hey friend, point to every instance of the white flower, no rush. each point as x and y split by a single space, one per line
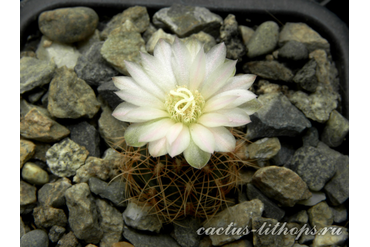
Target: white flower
181 99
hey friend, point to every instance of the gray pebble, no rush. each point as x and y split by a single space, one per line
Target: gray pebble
35 238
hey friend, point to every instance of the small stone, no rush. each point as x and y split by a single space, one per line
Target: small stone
47 217
330 239
93 68
340 213
230 35
270 70
263 40
111 129
26 107
137 15
185 232
314 199
287 150
293 50
40 151
336 129
239 243
33 174
320 215
68 25
52 194
301 32
114 192
123 45
115 161
301 217
265 87
93 167
86 135
313 167
141 217
65 157
122 244
35 73
306 77
71 97
61 54
311 137
85 45
277 117
337 189
68 240
306 239
266 240
204 38
326 72
271 210
281 184
27 194
27 54
316 106
246 33
155 37
36 95
265 148
27 150
110 222
240 215
107 91
83 216
38 126
140 238
35 238
149 32
186 20
55 233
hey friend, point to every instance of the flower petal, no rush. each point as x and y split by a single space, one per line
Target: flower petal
142 79
196 157
202 137
252 106
215 57
122 109
217 79
143 114
218 102
197 70
163 52
158 147
244 96
238 82
124 82
228 99
194 47
181 143
237 117
213 120
132 134
225 141
173 132
140 97
181 61
157 72
155 130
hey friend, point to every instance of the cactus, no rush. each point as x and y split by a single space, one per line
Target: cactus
175 189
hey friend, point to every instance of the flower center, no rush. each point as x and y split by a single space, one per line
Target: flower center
183 105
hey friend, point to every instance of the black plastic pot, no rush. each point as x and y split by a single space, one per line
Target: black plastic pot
256 11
